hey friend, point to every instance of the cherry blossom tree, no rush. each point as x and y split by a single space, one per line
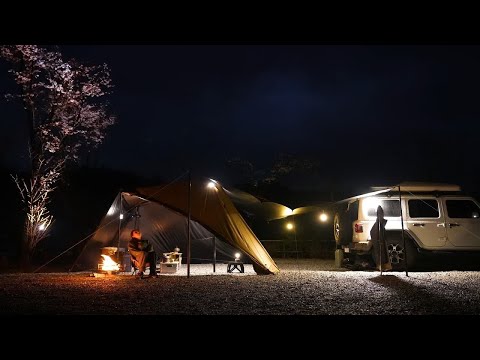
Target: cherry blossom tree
66 115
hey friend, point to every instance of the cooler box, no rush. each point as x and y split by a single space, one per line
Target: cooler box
169 267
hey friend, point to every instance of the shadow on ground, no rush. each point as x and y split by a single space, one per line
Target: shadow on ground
419 290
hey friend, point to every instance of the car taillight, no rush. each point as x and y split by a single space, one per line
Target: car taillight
358 228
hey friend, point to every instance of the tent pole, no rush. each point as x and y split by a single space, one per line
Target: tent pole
119 227
403 235
214 253
189 218
380 241
295 237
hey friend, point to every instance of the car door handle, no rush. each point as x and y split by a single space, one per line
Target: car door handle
418 224
453 225
441 225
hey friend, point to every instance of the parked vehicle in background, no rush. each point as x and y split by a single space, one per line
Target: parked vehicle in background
436 218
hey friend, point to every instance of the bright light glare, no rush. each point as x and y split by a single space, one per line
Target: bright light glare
41 227
323 217
287 212
211 185
370 203
289 226
121 216
237 256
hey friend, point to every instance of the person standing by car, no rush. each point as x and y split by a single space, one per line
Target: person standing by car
378 236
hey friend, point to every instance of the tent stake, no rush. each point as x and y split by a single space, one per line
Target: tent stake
189 217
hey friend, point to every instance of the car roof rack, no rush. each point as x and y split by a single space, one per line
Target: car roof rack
417 188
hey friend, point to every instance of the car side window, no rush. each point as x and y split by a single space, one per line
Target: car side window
462 209
423 208
391 208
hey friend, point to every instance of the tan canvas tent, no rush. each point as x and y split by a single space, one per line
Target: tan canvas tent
161 214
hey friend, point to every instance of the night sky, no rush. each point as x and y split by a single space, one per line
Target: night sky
372 115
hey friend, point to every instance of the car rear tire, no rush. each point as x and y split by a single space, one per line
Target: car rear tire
396 251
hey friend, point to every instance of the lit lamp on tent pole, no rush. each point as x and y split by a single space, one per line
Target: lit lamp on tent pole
212 186
291 227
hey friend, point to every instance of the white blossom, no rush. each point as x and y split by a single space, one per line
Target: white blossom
66 115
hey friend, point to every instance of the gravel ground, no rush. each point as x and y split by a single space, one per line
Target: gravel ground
304 287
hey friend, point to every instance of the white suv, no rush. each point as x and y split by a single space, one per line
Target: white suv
436 217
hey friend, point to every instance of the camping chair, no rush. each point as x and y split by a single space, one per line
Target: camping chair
135 265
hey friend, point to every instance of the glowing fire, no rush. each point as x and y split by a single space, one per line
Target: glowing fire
109 264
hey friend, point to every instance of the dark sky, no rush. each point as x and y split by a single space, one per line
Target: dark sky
372 115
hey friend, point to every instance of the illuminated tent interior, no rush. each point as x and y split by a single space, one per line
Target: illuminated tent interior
161 213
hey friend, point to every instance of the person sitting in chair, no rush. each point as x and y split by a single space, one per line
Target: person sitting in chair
142 253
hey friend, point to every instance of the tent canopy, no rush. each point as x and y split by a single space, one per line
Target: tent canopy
160 212
268 210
